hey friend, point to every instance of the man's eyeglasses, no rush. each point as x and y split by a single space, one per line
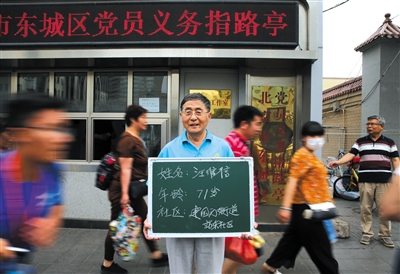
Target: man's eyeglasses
197 112
371 124
65 130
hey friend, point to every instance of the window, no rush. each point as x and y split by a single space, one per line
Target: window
73 92
105 136
150 90
77 149
5 90
96 103
152 140
33 83
110 92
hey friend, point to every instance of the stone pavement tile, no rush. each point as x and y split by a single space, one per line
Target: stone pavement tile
141 261
63 268
350 265
42 267
63 246
387 255
343 254
375 265
300 267
254 268
86 248
84 269
140 270
98 254
159 270
79 258
349 243
358 253
96 265
46 257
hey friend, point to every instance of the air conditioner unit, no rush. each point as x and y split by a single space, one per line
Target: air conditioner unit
336 105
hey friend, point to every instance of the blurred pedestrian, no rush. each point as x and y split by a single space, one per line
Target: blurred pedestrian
195 141
307 184
247 122
5 137
132 158
378 154
390 208
31 204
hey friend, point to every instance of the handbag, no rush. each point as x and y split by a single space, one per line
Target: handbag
320 212
240 250
138 188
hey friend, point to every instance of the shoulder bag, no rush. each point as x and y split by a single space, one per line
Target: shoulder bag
138 188
320 212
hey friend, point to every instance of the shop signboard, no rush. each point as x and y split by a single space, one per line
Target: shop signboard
202 23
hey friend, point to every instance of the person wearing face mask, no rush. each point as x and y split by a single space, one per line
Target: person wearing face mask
378 154
307 184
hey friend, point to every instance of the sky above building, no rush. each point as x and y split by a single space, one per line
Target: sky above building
347 26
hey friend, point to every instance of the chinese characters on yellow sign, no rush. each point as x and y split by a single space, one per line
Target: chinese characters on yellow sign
220 100
274 147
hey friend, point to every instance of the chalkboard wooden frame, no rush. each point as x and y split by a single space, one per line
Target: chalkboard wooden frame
201 197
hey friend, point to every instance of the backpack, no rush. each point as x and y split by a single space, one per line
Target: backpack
106 170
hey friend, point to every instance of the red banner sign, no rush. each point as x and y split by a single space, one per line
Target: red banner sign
205 23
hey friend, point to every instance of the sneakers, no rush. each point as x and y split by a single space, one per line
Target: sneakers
163 261
365 240
386 241
113 269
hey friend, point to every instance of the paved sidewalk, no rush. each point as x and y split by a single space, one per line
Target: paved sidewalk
80 251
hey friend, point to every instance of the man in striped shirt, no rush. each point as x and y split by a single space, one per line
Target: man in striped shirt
247 122
378 154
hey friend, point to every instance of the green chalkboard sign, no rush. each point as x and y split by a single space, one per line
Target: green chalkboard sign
201 197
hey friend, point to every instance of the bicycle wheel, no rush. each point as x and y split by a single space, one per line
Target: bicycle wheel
335 193
342 192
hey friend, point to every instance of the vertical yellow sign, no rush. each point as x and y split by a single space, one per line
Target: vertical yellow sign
274 147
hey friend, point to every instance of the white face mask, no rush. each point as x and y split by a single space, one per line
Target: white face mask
315 143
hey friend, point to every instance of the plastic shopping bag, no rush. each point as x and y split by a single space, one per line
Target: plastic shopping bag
125 234
240 250
330 230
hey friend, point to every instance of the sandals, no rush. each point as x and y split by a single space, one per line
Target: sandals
266 269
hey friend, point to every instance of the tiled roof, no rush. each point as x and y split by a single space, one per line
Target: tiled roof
350 86
387 29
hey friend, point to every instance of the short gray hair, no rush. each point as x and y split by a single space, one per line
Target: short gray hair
380 119
197 96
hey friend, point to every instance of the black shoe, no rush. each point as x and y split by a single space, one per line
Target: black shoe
163 261
113 269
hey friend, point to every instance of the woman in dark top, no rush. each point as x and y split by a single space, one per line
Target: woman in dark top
132 158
